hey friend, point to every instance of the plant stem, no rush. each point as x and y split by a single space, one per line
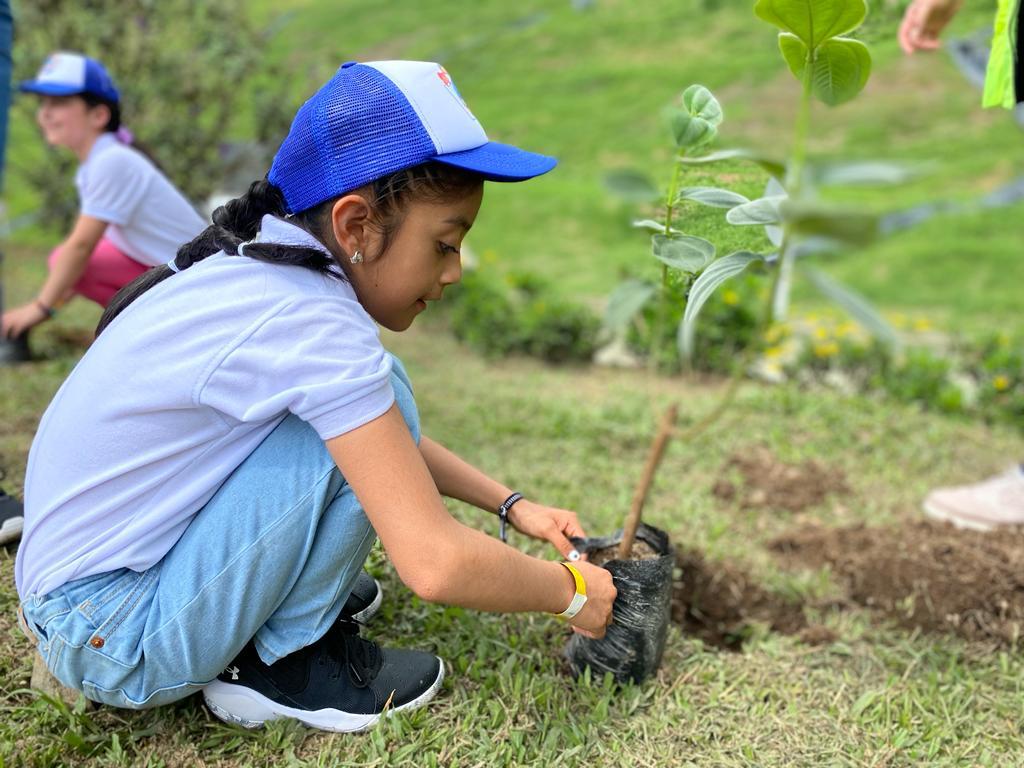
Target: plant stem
778 298
662 315
653 459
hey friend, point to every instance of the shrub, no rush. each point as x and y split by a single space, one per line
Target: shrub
520 316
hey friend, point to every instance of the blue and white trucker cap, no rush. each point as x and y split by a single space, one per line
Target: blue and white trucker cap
69 74
376 118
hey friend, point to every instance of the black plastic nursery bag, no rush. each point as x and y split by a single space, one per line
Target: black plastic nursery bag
632 648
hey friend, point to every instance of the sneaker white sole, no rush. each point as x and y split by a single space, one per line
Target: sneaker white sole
937 513
370 611
11 529
251 709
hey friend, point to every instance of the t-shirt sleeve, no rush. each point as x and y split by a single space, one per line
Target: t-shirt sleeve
318 357
114 185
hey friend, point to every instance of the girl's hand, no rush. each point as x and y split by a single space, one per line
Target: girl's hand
596 616
20 319
547 524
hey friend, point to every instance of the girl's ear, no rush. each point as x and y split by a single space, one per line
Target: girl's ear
99 116
350 218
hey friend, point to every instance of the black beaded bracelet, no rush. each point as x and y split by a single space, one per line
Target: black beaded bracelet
503 514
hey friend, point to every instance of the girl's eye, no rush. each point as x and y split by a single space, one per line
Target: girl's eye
446 248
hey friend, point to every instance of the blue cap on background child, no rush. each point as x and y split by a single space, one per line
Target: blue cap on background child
376 118
70 74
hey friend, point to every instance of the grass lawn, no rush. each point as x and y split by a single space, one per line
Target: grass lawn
577 438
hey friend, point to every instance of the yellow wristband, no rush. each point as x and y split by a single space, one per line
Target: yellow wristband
579 599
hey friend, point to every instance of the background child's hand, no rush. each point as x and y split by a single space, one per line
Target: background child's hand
20 319
547 524
923 22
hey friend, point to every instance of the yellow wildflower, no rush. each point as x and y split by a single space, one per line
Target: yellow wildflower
730 297
826 349
1001 383
845 329
820 333
773 352
922 324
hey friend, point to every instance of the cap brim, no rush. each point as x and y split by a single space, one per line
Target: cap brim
500 162
48 89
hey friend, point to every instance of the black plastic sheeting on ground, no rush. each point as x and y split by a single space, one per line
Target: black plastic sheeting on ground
635 642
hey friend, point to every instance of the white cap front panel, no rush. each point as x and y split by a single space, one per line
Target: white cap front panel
63 69
436 100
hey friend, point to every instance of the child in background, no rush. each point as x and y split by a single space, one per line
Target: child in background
201 525
131 219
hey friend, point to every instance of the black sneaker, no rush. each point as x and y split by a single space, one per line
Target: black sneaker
365 599
339 683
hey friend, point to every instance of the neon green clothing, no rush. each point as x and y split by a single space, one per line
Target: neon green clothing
1001 87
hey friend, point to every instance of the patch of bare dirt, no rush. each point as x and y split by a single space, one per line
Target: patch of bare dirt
766 482
924 574
719 602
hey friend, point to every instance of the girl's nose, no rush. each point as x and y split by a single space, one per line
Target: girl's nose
452 271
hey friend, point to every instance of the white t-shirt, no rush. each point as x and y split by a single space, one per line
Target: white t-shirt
177 391
148 218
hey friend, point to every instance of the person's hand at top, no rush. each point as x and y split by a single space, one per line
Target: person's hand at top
547 524
923 22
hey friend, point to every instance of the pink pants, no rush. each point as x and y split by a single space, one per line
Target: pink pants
108 270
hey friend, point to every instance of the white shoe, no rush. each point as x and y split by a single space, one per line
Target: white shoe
997 501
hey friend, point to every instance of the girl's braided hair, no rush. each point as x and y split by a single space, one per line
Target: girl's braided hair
238 221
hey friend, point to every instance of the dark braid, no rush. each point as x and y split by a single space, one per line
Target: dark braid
238 221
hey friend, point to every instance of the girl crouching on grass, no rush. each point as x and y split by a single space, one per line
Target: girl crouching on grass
202 524
131 217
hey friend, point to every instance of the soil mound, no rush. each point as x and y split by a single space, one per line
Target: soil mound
768 482
719 602
923 574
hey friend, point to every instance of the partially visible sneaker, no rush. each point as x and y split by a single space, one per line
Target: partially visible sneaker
364 600
12 519
992 503
341 682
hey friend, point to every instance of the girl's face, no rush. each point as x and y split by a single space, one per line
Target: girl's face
422 259
67 121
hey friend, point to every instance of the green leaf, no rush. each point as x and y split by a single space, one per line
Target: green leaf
841 66
764 210
813 21
694 121
654 226
841 70
794 52
839 224
703 287
700 102
632 186
626 301
869 172
775 167
683 252
856 305
713 196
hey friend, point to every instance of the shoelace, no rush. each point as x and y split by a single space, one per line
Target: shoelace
361 657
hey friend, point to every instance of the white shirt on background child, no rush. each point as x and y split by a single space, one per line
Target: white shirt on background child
149 219
174 395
